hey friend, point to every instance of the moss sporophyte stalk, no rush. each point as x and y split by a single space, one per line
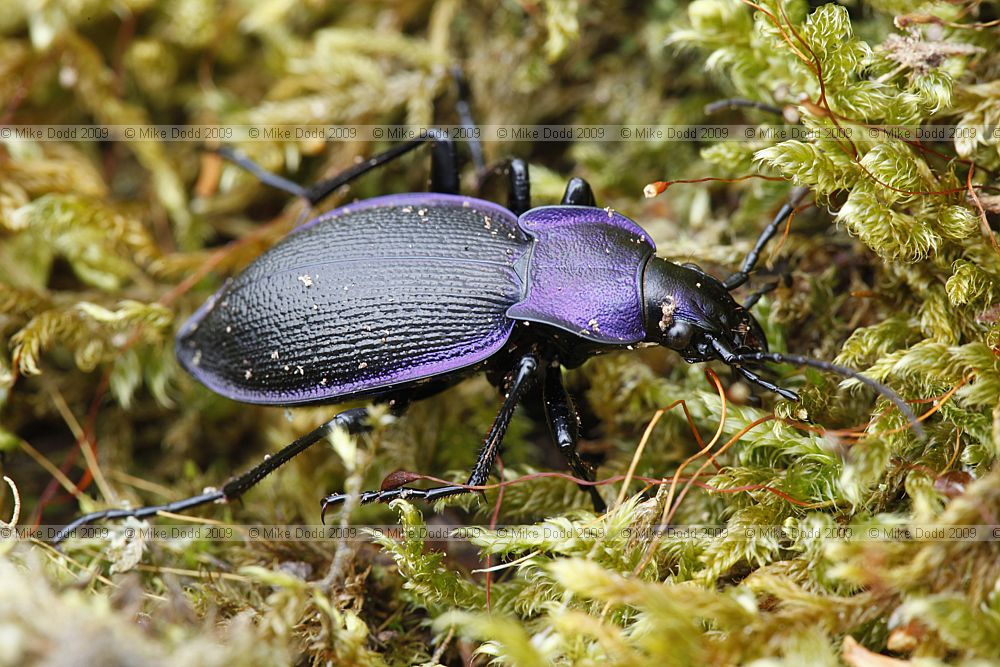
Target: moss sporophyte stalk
884 112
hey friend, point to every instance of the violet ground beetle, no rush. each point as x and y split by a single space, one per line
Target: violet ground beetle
398 297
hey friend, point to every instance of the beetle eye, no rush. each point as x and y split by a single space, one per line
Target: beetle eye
678 336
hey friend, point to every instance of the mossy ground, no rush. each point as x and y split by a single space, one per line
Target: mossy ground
892 272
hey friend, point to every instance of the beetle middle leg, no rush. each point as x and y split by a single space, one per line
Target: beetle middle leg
564 425
525 374
515 171
518 186
578 193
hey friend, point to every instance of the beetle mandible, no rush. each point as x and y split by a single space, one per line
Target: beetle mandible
398 297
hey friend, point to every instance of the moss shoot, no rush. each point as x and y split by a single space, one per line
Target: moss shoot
830 534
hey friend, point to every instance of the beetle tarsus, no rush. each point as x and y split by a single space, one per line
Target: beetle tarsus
137 513
388 495
765 384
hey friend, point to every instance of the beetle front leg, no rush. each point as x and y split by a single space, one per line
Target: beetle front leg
752 300
525 373
729 358
564 425
765 384
743 275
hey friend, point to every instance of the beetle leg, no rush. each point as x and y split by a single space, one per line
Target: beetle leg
354 420
525 373
444 158
755 297
515 170
444 161
770 386
263 175
564 425
464 110
578 193
734 361
743 275
444 166
518 186
318 191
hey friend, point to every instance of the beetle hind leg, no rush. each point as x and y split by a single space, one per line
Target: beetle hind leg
444 166
263 175
524 375
464 110
210 496
354 420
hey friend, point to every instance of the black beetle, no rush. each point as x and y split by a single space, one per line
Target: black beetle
398 297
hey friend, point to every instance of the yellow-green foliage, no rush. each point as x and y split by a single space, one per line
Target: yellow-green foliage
105 248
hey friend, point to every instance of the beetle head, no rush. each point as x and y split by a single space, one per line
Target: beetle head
691 312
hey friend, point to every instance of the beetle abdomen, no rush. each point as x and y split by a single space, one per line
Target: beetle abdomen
375 294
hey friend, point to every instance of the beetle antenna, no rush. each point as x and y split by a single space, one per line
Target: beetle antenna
779 358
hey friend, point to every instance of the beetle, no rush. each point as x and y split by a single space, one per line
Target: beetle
398 297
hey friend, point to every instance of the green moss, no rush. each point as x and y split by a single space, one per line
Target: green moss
893 273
